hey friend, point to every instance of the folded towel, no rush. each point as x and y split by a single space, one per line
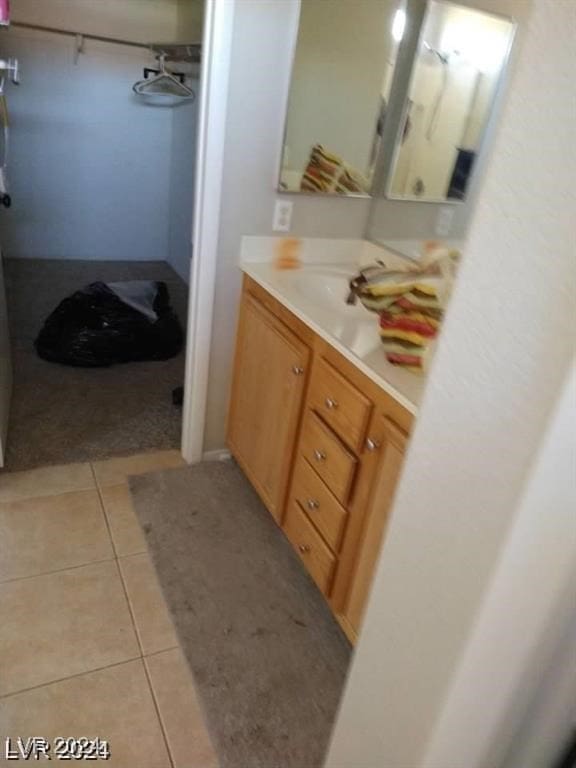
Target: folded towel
327 172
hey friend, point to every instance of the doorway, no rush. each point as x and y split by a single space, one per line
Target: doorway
102 188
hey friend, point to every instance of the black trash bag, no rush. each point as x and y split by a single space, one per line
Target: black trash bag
94 327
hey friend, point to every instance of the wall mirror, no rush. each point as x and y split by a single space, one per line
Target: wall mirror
458 66
343 67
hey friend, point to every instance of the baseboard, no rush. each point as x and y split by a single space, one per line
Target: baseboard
220 455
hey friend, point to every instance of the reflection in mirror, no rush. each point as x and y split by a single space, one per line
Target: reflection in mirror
461 56
342 71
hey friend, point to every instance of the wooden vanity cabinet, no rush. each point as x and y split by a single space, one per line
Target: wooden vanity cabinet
322 444
372 507
268 390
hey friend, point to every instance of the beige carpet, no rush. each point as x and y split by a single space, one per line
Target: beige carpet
61 414
268 658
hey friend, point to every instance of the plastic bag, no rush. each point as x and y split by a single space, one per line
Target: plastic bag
95 327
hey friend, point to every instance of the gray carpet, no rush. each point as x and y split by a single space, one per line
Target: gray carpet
268 658
61 414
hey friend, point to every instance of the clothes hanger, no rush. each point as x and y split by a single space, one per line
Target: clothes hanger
164 83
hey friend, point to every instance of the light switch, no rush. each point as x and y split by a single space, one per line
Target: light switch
282 216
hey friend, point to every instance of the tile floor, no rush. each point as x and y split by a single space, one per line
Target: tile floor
87 647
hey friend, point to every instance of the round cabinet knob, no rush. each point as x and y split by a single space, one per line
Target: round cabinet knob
372 445
330 404
319 455
312 504
304 548
297 370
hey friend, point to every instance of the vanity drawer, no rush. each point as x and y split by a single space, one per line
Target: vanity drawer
318 503
340 404
329 458
314 553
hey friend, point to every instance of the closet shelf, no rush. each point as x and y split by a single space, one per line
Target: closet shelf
183 52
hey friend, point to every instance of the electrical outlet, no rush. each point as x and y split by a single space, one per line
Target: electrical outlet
444 221
282 216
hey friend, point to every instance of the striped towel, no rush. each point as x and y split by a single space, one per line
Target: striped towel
326 172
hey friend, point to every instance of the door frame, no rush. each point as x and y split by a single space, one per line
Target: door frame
216 53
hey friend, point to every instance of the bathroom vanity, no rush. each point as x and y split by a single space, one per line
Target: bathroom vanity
317 426
319 420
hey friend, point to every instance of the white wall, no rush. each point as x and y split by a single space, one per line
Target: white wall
262 44
89 163
551 714
142 20
341 58
524 630
505 352
190 20
95 172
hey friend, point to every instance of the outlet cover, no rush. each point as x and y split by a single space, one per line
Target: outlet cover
444 221
282 216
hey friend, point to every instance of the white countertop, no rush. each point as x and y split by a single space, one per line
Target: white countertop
353 331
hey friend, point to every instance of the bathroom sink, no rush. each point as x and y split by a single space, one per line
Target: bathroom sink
329 288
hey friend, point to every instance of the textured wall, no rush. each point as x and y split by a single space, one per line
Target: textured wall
505 350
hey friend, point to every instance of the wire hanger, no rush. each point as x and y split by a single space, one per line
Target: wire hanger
163 83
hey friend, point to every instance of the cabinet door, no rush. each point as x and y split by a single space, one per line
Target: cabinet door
391 450
267 394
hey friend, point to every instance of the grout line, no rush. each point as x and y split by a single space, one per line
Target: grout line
35 496
115 559
130 609
158 715
69 677
121 577
134 554
5 502
103 508
135 625
137 473
164 650
58 570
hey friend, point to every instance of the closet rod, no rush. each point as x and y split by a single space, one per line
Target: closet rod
100 38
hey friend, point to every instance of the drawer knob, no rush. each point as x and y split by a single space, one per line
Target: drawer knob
304 548
319 455
297 370
330 404
372 445
312 504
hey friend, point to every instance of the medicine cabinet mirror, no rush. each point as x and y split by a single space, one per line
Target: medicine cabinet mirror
458 66
344 75
342 71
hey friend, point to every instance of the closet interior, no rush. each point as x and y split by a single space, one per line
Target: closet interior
100 172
